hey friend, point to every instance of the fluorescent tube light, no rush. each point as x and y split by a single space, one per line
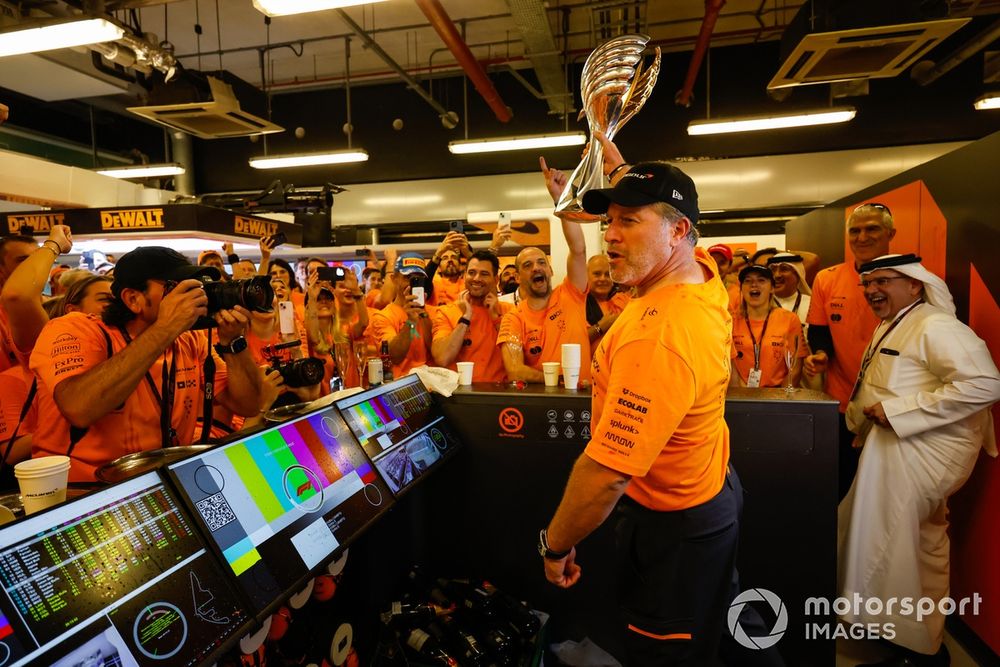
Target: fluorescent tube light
772 122
517 143
58 36
288 7
309 159
988 101
143 171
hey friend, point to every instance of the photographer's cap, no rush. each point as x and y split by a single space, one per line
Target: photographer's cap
647 183
411 262
156 263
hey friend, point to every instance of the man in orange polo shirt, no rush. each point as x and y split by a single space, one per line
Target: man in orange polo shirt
841 322
405 323
134 381
658 458
467 330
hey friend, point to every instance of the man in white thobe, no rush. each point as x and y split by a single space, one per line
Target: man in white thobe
920 410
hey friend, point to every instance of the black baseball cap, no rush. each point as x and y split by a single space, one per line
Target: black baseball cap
762 271
157 263
647 183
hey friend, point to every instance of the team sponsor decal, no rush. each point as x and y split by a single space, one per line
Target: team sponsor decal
132 218
40 222
254 226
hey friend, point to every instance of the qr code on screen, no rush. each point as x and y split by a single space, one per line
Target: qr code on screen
216 511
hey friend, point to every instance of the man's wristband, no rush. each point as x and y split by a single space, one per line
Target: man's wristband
545 551
233 258
57 250
465 320
614 171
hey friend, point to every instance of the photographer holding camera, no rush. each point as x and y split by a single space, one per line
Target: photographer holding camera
136 380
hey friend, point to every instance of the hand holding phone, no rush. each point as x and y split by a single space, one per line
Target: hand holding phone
417 288
286 317
503 222
331 274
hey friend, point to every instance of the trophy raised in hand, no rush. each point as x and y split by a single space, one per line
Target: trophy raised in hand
613 88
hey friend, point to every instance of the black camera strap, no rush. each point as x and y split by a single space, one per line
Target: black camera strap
206 410
168 380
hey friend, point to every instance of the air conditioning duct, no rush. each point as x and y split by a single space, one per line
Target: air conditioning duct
838 40
206 106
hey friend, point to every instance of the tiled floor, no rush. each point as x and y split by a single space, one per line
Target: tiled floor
851 653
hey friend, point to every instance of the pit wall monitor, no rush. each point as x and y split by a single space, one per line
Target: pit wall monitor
117 577
279 503
401 429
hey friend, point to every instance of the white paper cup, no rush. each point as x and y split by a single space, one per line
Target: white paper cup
571 355
375 371
551 371
42 481
465 372
571 377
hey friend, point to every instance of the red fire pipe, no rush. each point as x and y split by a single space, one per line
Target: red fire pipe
441 22
712 10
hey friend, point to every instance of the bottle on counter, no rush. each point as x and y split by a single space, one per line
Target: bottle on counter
409 614
463 642
428 647
386 362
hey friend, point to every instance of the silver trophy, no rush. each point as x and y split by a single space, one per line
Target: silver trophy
613 87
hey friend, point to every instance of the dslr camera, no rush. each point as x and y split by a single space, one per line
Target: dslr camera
297 372
255 294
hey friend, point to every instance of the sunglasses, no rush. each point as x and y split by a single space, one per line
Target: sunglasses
874 204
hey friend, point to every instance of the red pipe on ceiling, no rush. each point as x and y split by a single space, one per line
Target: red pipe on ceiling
445 27
712 10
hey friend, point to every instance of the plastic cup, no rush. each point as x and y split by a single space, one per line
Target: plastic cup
571 355
42 481
551 371
375 371
465 372
571 377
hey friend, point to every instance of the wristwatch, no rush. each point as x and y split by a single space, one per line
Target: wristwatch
544 550
235 346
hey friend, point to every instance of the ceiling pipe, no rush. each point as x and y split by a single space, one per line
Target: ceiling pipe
449 119
926 72
712 10
444 26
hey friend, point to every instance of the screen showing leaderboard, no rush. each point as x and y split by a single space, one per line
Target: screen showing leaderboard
401 429
279 503
117 577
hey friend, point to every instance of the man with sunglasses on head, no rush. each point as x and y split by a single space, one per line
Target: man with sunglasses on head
920 408
841 323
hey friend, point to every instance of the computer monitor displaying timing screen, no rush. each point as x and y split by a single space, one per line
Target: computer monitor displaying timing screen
116 577
277 504
401 428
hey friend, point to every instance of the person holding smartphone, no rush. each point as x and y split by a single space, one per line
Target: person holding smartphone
336 315
405 324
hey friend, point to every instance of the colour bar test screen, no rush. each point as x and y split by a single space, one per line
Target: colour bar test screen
401 429
280 502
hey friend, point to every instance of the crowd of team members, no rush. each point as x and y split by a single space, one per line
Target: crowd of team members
507 320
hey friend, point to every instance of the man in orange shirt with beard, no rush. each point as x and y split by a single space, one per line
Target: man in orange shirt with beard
467 329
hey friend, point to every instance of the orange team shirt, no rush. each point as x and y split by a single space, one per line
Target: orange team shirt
371 297
839 302
480 344
14 385
615 304
660 380
258 345
541 333
385 325
71 345
735 297
10 356
784 332
446 291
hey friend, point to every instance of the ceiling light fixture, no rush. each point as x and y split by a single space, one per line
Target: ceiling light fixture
517 143
288 7
988 101
59 35
772 122
143 171
309 159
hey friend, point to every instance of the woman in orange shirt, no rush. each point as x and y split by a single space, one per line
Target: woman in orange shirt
768 345
336 320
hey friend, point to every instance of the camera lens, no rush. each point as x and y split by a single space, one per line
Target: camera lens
302 372
254 294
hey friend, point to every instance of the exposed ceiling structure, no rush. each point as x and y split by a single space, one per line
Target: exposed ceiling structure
495 67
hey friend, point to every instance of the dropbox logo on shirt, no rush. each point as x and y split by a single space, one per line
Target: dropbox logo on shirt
780 615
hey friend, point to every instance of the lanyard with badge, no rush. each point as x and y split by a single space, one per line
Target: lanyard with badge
873 348
753 377
168 380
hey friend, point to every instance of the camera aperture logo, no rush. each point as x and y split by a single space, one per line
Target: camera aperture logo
780 615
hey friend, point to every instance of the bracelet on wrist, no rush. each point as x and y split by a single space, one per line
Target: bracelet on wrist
57 249
614 171
465 320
